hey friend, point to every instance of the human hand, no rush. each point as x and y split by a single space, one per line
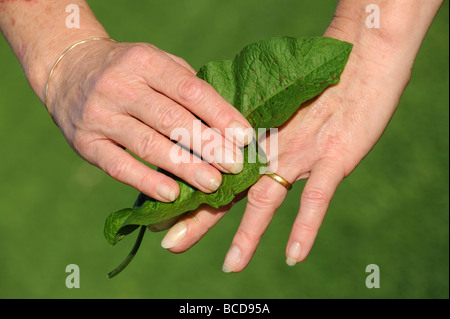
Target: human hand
109 96
323 142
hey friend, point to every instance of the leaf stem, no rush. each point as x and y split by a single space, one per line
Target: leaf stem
131 255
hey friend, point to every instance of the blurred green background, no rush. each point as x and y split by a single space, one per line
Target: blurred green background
392 211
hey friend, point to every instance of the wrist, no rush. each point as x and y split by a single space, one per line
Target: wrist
388 50
37 67
72 75
39 33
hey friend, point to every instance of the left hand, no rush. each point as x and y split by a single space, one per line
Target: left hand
323 142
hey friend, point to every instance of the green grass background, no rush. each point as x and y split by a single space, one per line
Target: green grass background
392 211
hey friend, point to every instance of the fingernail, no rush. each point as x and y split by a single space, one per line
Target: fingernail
293 254
166 192
174 235
242 133
231 259
207 180
226 159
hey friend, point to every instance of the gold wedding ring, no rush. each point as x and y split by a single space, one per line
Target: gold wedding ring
280 180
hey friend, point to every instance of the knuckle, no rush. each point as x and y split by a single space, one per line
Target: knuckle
138 53
146 146
315 196
190 89
260 198
117 167
143 184
247 238
305 228
170 118
221 115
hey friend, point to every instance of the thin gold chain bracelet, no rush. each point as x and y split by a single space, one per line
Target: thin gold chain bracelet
63 55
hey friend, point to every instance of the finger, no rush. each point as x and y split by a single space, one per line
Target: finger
181 62
317 194
123 167
156 149
182 86
264 198
177 123
194 225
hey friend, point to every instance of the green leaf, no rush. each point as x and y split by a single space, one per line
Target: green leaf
269 79
267 82
151 211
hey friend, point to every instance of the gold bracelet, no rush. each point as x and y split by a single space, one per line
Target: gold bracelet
62 56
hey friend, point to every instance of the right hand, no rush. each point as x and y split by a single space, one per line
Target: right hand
107 97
